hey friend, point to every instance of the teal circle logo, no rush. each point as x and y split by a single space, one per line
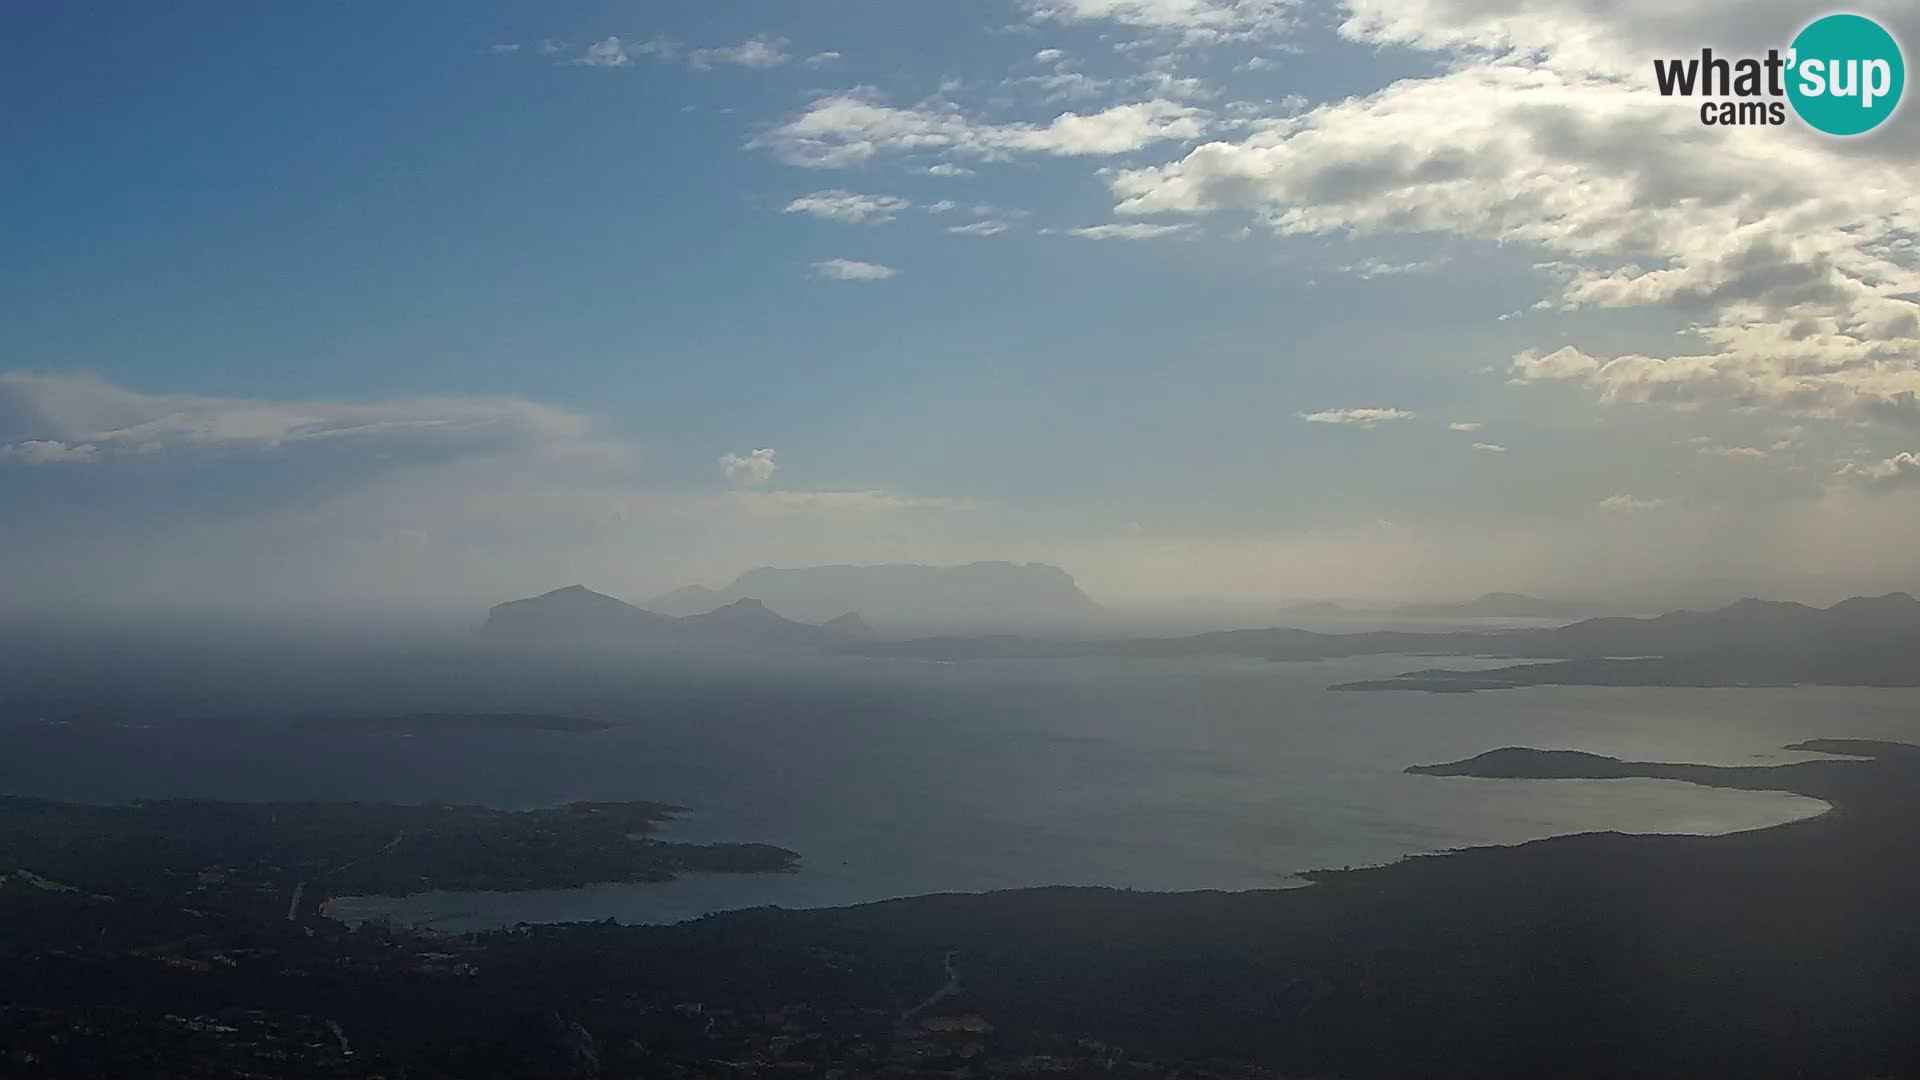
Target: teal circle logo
1846 74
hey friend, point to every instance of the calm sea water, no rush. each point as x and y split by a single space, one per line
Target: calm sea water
895 779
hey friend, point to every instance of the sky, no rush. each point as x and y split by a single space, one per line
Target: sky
377 307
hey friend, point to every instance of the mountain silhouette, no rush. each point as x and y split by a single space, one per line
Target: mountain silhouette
1501 605
850 625
975 596
574 612
578 614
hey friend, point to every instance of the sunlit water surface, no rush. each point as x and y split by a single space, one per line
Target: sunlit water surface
896 779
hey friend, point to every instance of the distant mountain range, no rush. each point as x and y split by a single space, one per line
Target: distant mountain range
576 614
1860 641
975 596
1502 605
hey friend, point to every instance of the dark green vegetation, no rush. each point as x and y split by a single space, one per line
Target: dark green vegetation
1790 951
443 723
170 848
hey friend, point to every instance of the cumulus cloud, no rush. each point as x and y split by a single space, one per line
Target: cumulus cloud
1127 230
755 52
1901 472
1365 417
1465 425
1368 269
1530 365
1733 453
1629 504
1544 130
847 129
989 227
752 470
49 452
849 207
946 168
608 52
822 59
1491 448
852 270
1196 21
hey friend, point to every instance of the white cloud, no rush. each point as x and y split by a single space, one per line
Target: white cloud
755 52
822 59
1366 417
50 452
1465 425
441 504
948 169
1368 269
849 128
1491 448
1629 504
853 270
753 470
506 49
1128 230
85 411
1897 473
849 207
1561 364
979 228
1197 21
1049 56
1733 453
1545 131
608 52
1065 84
844 502
944 206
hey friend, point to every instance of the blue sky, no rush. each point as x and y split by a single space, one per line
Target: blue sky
1196 297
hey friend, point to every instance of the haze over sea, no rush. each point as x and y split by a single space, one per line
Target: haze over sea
902 778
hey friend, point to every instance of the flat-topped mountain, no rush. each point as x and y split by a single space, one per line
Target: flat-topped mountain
975 596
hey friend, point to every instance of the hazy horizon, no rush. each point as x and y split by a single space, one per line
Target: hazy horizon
1210 303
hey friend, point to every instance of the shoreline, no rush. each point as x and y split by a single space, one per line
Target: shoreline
383 909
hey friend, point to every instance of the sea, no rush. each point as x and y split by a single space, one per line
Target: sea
900 778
